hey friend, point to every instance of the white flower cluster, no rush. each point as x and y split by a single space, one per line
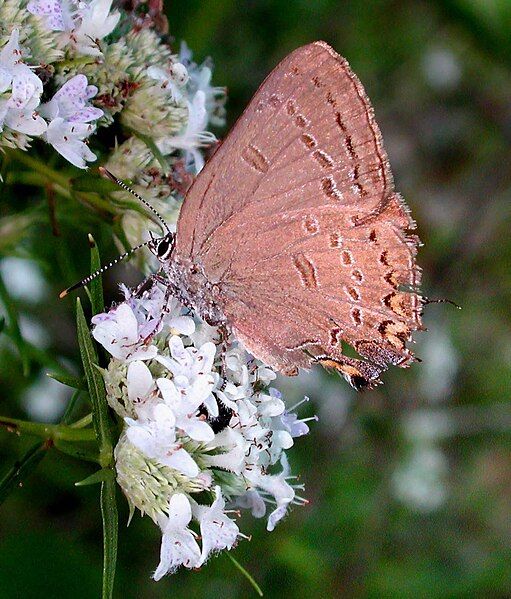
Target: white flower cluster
97 64
202 427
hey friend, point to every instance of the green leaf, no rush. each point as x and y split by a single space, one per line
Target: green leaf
100 420
247 575
110 535
86 451
2 323
71 404
13 327
100 476
149 142
88 183
96 285
68 379
16 475
96 386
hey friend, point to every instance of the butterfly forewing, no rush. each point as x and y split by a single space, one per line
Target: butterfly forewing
295 221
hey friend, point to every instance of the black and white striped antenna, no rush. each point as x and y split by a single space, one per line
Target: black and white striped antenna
166 234
106 173
101 270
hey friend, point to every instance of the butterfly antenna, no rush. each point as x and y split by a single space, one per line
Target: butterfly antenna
106 173
101 270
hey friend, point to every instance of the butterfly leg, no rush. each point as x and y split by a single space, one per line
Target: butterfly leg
224 337
149 281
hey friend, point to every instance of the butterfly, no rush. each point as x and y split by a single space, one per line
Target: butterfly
293 237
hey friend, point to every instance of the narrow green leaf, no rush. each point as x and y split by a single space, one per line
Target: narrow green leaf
16 475
71 404
86 451
96 285
110 535
2 323
93 183
69 380
96 386
100 476
13 327
247 575
149 142
100 420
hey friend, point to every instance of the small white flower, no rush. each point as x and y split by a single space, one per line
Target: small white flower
253 501
140 382
191 368
277 486
118 332
173 80
154 433
85 23
184 400
218 531
270 404
58 14
25 120
194 137
15 74
152 315
18 111
200 80
178 546
95 23
68 139
70 114
234 448
71 102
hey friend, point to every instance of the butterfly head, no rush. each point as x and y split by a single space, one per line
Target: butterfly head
162 247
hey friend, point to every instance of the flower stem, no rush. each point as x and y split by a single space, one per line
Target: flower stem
86 420
53 432
247 575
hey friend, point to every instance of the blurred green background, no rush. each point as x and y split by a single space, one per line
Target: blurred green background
410 484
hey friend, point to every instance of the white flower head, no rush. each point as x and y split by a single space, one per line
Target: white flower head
178 546
199 415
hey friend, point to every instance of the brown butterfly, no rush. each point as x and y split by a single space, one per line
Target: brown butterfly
293 237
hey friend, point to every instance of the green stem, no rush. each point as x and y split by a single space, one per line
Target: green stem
246 574
52 432
85 421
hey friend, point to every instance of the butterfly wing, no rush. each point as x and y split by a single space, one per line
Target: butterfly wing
296 222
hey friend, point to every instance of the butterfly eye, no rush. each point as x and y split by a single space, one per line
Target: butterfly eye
163 249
